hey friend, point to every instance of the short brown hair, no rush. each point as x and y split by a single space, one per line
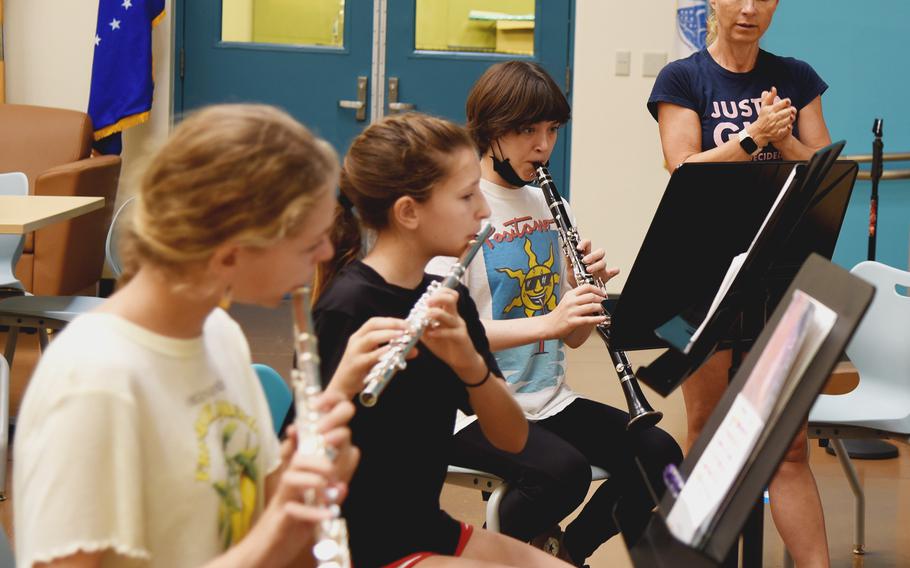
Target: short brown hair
510 95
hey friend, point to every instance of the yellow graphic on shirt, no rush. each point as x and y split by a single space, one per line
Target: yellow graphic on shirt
536 285
235 438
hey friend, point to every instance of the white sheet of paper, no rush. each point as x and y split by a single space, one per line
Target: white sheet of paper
715 471
789 351
729 277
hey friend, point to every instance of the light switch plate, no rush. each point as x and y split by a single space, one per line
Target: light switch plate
623 63
652 63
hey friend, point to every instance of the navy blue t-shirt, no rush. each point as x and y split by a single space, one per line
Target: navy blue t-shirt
726 101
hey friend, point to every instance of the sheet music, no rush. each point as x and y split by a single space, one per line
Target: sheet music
737 263
769 387
729 277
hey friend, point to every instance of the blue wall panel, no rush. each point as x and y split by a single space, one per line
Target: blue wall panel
861 50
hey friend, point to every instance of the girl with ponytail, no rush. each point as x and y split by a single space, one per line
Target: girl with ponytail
411 182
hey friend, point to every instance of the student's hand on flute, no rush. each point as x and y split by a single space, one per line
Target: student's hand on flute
363 350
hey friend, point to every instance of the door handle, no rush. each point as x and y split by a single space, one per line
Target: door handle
394 105
398 107
360 105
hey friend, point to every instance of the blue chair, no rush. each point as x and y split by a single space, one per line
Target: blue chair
277 393
11 245
54 312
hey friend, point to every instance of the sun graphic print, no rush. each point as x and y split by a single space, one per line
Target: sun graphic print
537 285
523 270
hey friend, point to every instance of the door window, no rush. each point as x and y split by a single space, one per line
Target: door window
490 26
287 22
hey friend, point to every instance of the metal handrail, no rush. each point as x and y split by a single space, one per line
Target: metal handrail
889 157
886 174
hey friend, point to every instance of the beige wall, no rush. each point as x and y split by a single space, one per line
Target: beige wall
617 164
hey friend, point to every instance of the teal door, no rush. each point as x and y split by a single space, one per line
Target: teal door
312 59
320 59
436 50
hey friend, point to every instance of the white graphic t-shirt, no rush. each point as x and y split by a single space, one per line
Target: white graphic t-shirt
152 447
520 273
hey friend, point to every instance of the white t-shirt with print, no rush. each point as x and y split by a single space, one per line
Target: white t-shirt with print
519 273
153 447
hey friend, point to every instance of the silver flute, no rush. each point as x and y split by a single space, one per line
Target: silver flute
393 360
641 415
331 547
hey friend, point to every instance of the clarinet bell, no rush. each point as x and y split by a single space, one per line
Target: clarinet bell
641 415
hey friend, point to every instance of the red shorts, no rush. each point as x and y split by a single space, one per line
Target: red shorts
414 559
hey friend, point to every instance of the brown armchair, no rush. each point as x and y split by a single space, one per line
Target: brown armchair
53 147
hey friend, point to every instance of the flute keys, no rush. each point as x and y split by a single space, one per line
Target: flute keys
326 550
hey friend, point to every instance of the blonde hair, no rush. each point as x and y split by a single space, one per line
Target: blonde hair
244 173
712 26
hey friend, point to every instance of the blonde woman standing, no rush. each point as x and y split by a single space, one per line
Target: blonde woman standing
731 102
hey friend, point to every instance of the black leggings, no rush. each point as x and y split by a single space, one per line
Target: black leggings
552 475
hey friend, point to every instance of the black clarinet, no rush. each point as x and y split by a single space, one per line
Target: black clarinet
641 415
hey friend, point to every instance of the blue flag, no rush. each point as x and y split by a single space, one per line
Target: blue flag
122 82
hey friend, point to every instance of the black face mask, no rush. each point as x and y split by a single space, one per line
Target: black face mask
507 172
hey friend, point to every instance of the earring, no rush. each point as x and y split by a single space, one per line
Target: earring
226 298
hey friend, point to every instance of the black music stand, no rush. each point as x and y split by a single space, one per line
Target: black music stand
848 297
709 214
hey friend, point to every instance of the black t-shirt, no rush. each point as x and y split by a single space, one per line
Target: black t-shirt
726 102
392 509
